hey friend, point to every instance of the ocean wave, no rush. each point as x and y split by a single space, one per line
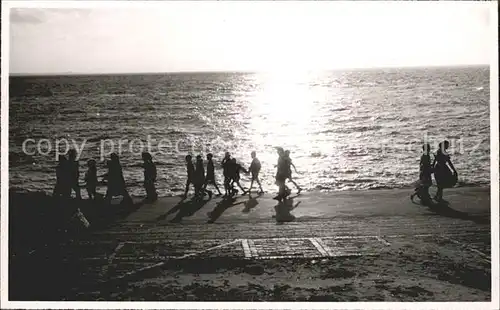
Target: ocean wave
354 181
164 164
99 138
225 100
382 187
355 153
338 109
140 109
117 95
359 129
176 132
32 93
466 183
65 93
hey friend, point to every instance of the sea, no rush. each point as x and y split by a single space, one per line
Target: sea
345 129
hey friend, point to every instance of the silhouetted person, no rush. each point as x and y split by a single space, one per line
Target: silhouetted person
190 174
91 179
62 188
74 173
235 170
199 179
425 178
281 175
254 169
226 167
149 177
289 164
445 178
210 177
116 181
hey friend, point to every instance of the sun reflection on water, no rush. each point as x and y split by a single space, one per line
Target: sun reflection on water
284 109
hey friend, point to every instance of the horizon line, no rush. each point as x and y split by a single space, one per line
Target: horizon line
71 73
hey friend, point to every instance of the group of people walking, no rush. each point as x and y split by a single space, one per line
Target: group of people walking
440 167
67 172
232 175
68 175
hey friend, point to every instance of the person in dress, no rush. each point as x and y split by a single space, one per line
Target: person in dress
199 180
444 172
210 177
116 181
425 177
150 175
62 187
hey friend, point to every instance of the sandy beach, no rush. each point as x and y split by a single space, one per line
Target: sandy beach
338 246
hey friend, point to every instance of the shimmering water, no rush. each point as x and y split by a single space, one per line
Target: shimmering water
345 129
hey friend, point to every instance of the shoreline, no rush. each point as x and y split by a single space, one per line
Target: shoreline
21 191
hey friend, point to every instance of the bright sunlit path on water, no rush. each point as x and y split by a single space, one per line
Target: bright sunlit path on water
283 107
286 110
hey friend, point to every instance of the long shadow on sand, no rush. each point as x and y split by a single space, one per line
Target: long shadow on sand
174 209
251 203
184 208
444 209
222 206
283 210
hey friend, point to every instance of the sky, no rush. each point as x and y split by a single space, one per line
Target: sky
248 36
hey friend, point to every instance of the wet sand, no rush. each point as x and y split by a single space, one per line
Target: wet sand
340 246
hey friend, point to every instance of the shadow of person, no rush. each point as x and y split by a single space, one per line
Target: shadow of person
283 210
220 207
183 202
188 208
426 202
250 204
128 208
293 197
443 209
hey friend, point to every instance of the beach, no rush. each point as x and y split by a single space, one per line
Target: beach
369 245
